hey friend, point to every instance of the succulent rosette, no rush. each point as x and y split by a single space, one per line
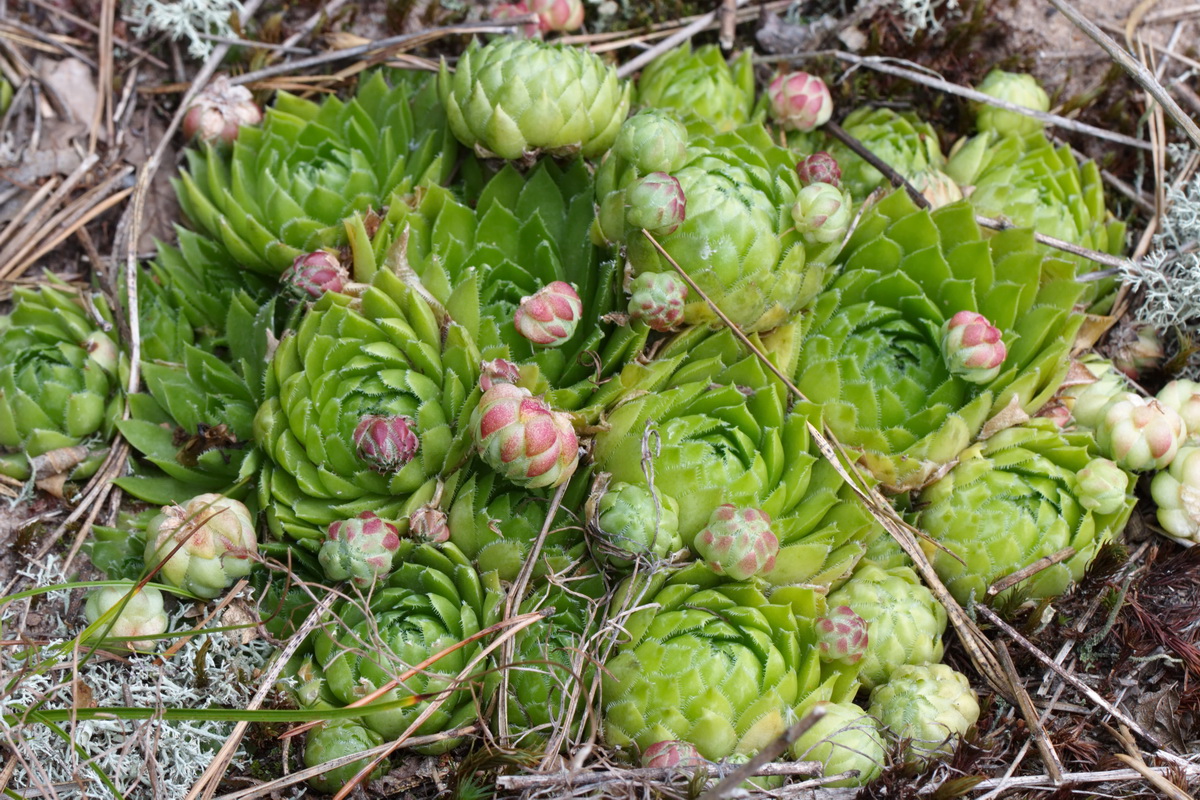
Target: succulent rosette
904 142
632 521
1010 501
723 435
872 358
218 539
517 98
1137 350
738 240
1097 383
433 601
350 362
658 299
335 739
511 237
1176 491
820 167
672 754
1103 486
738 542
125 615
700 83
717 666
284 188
313 274
904 621
844 739
1017 88
927 706
842 635
360 549
1183 397
60 378
1139 433
220 111
549 316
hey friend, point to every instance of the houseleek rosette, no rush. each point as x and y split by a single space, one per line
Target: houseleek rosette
872 358
737 239
285 187
385 353
700 83
510 237
517 98
904 142
59 378
1011 500
434 601
718 666
721 433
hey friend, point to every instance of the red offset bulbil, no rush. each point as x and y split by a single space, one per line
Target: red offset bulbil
738 542
386 443
549 316
523 439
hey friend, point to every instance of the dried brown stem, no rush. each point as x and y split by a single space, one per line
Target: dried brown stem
638 774
1013 578
1032 720
769 753
679 37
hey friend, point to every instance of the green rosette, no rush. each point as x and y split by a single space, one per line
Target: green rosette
284 188
700 84
871 359
510 236
1010 501
904 142
383 352
517 98
60 377
716 665
434 601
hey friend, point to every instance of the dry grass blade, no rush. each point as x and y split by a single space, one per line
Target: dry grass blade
977 645
774 750
1143 76
1011 580
639 774
1032 720
681 36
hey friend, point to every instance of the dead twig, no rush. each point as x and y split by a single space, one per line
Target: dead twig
677 38
769 753
1032 720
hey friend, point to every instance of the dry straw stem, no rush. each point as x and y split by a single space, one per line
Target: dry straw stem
979 649
640 775
680 36
1032 720
731 783
1143 76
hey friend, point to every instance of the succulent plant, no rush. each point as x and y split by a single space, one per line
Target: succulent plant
382 360
799 101
657 299
1140 434
558 15
334 739
360 549
1017 88
220 111
844 739
523 439
1137 350
972 347
432 602
738 241
718 667
1183 397
656 204
516 98
928 707
652 141
820 167
822 213
1176 491
872 356
633 521
1010 501
671 754
938 188
842 635
738 542
129 615
904 622
59 378
904 142
1088 398
700 83
1103 486
313 274
218 539
285 189
549 316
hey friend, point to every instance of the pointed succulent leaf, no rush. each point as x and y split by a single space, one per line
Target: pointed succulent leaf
700 83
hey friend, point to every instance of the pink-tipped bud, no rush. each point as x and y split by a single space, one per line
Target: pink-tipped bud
656 203
313 274
1139 434
738 542
1057 413
822 213
506 12
386 443
523 439
219 112
549 317
657 299
429 524
359 549
1137 351
799 101
672 753
498 370
972 347
558 15
820 167
842 635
